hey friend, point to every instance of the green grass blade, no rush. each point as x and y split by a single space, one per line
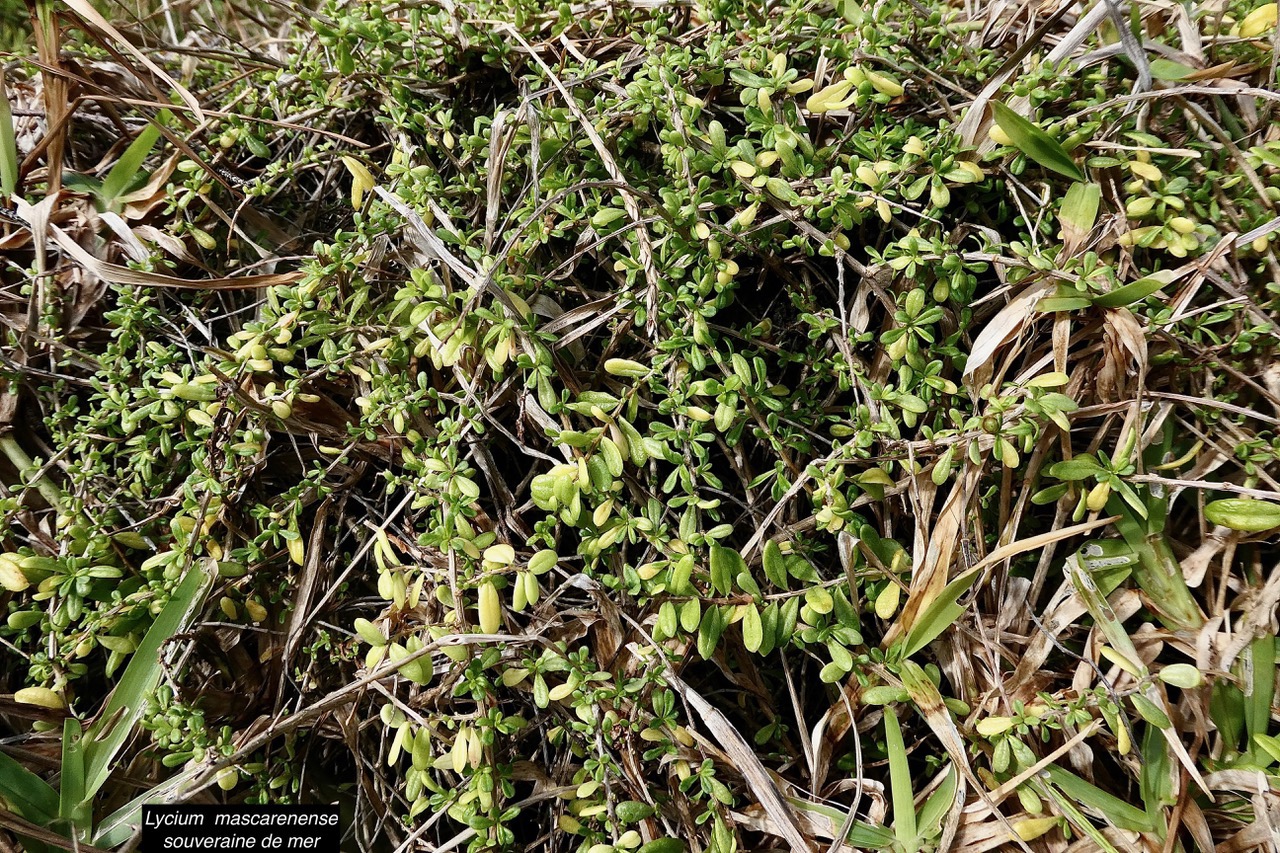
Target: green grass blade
1080 207
1077 818
1134 291
1104 617
1259 691
117 827
1113 809
1226 709
71 781
42 481
129 164
113 726
8 144
33 797
939 615
1155 782
935 808
904 806
1035 143
869 837
861 834
1079 214
1157 572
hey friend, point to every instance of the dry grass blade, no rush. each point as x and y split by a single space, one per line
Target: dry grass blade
928 699
977 121
125 276
761 784
49 47
643 240
931 576
27 829
1031 543
1008 323
86 12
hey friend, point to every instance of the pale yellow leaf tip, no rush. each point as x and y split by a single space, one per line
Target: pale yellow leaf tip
40 696
1259 21
361 180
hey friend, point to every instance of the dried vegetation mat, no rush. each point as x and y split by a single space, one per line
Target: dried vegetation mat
642 426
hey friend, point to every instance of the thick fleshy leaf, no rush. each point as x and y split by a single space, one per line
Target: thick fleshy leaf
1250 516
752 629
726 564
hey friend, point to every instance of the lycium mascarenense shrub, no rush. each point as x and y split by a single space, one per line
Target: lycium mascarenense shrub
682 356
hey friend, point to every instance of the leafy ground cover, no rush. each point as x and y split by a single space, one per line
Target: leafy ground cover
608 427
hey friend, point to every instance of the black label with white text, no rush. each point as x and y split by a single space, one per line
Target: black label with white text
302 829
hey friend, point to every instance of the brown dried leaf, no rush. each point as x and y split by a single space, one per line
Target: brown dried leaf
1009 322
930 575
91 16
